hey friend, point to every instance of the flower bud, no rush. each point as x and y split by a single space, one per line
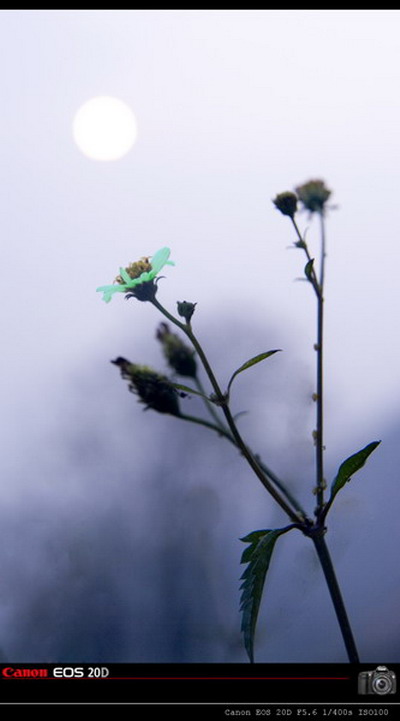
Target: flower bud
186 309
179 356
153 389
286 203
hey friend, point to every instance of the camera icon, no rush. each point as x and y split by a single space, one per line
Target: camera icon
381 681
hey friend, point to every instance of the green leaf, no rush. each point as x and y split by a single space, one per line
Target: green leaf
308 270
237 415
186 389
251 362
350 466
258 556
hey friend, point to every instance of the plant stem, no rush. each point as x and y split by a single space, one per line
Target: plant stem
315 529
253 463
221 427
319 347
317 535
221 430
303 244
337 599
207 424
319 440
209 404
320 376
323 250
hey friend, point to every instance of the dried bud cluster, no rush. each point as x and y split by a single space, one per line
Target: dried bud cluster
153 389
179 356
313 195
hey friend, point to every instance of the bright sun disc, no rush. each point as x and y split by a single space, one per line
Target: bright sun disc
104 128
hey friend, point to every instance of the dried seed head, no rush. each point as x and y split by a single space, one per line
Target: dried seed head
153 389
286 203
313 195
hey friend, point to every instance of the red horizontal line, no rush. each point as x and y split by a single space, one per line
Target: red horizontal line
230 678
180 678
236 678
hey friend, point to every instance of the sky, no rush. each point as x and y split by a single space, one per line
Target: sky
232 107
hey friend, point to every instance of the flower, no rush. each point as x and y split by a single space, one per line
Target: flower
138 277
153 389
286 203
313 195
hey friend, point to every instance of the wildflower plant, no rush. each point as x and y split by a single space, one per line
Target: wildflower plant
169 395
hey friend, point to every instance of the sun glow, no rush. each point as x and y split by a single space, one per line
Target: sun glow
104 128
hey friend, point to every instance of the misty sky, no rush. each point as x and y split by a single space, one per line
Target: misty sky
232 107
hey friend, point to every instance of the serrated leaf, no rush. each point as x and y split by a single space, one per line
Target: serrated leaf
258 556
186 389
257 359
308 270
350 466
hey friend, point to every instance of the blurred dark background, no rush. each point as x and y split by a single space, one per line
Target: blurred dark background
122 528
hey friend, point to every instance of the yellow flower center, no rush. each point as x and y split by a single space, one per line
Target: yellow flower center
135 270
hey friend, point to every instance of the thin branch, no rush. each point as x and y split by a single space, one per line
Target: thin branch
220 398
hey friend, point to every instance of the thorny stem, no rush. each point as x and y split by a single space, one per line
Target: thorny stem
321 511
320 400
320 377
319 347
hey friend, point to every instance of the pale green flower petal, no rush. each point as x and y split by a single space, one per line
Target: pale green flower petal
125 275
109 290
144 277
103 287
159 260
